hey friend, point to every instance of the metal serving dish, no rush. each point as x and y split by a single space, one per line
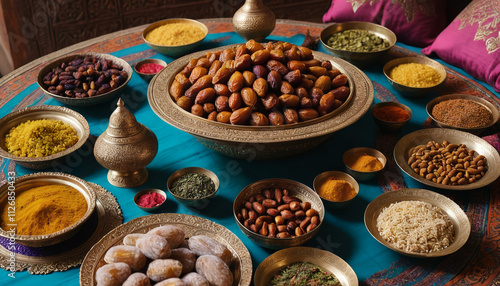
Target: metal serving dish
86 101
457 216
26 182
260 142
199 170
402 152
64 114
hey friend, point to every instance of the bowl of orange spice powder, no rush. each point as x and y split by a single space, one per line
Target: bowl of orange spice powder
391 116
337 189
43 209
364 163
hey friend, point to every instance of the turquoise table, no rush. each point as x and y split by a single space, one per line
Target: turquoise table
343 231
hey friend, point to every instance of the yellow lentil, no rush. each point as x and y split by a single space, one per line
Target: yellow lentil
40 138
415 75
175 34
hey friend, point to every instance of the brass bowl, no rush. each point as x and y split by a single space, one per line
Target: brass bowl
390 126
86 101
321 178
260 142
360 59
350 154
455 213
322 258
148 76
26 182
295 188
174 51
66 115
145 191
189 201
409 91
476 131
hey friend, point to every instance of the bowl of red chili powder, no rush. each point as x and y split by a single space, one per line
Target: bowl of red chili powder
391 116
150 199
148 68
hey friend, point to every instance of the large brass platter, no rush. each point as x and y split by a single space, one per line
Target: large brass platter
192 225
455 213
260 142
322 258
402 152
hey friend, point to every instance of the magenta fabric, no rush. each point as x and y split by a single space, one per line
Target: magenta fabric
418 25
472 42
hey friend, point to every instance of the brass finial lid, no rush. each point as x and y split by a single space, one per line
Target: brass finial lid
122 123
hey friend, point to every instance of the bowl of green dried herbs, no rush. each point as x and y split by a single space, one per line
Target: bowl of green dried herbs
193 186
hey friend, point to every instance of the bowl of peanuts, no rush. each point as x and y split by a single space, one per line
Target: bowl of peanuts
278 213
260 101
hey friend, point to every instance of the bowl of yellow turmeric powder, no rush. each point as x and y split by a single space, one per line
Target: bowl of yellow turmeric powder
337 189
44 208
363 163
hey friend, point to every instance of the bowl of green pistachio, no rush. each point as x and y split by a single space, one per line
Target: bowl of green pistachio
193 186
360 43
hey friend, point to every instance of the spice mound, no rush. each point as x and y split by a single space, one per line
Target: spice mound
365 163
391 114
337 190
150 200
415 75
175 34
46 209
462 113
303 273
356 40
149 68
40 138
193 186
416 226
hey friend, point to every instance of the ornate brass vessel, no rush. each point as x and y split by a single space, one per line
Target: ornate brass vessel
254 20
125 148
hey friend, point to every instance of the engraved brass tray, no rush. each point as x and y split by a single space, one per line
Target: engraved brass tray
261 142
455 213
192 225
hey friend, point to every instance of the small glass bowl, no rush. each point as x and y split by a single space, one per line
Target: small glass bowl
349 156
145 191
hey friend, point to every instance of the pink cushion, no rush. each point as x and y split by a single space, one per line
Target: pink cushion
416 24
472 42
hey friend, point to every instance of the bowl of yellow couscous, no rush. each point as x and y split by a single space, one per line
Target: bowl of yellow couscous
414 76
175 37
40 137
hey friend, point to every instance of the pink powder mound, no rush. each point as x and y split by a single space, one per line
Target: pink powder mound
150 200
149 68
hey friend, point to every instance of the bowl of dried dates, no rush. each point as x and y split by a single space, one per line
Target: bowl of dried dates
84 79
260 101
277 213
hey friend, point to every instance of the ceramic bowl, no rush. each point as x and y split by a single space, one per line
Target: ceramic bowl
66 115
26 182
174 51
198 202
409 91
148 76
358 58
390 126
325 176
145 191
85 101
295 188
351 154
495 115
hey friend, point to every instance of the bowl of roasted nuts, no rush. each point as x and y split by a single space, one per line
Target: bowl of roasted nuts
277 213
84 79
361 43
260 101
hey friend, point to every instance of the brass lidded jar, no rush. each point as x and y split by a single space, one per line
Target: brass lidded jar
125 148
254 20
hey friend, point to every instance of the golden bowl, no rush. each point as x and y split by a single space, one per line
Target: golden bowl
198 202
390 126
360 59
85 101
145 191
351 154
295 188
174 51
409 91
66 115
260 142
321 178
476 131
26 182
148 76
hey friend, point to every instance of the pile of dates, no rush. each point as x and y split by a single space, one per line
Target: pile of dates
260 84
164 257
277 213
84 77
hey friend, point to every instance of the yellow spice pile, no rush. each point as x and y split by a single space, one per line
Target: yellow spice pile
415 75
175 34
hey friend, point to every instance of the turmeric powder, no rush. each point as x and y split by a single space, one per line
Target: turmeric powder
46 209
337 190
366 163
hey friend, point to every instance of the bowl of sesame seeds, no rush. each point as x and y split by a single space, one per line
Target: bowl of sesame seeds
463 112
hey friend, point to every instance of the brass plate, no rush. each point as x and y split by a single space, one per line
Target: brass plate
192 225
402 152
109 217
324 259
454 212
